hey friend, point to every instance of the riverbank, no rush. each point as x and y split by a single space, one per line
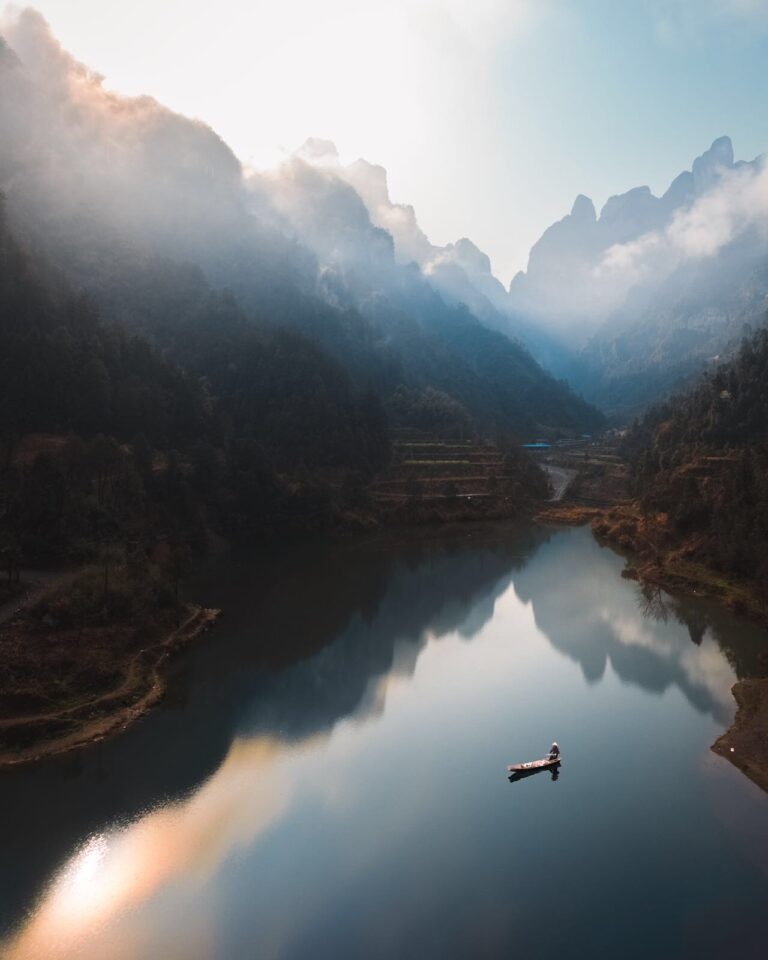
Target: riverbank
63 689
655 559
745 744
657 554
82 653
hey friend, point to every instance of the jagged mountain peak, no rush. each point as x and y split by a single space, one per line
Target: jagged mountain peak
583 209
721 151
619 202
584 268
708 168
471 256
680 192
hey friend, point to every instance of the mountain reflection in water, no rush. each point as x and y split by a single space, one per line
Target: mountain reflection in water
650 638
361 792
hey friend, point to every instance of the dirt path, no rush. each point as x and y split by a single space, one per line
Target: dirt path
560 478
142 687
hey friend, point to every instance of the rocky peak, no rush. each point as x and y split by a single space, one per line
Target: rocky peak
583 209
370 181
471 257
680 192
708 168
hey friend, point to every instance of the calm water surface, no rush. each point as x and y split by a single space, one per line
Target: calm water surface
327 776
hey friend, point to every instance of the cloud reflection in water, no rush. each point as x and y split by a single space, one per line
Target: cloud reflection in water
367 779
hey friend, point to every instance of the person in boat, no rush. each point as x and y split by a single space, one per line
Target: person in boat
554 751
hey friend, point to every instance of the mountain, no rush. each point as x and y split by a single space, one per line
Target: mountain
568 285
426 340
460 272
625 305
654 288
152 215
106 439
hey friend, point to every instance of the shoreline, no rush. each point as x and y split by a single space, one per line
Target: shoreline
105 711
670 567
141 689
745 742
618 524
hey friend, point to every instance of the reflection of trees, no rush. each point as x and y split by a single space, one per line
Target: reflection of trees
303 633
594 617
431 589
697 625
740 641
652 603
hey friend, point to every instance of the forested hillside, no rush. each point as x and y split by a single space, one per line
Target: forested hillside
152 214
189 417
702 458
108 440
189 349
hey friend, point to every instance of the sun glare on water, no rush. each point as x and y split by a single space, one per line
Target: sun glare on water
78 890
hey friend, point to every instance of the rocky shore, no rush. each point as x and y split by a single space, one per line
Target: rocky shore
746 743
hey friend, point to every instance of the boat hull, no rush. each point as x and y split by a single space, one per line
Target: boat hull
544 764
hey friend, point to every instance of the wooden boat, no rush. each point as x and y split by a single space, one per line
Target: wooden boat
543 764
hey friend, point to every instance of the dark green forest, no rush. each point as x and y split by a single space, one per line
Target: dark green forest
179 416
402 333
107 438
702 458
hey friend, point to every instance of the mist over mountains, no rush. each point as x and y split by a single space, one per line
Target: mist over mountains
624 305
654 288
152 214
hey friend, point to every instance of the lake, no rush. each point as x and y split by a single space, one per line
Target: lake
327 775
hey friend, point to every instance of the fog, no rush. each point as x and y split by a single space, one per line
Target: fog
92 177
108 186
733 206
591 273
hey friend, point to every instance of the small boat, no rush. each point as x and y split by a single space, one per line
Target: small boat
533 765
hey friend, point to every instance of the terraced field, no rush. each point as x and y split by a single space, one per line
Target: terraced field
464 477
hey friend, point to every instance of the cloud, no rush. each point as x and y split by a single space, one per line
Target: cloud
459 271
737 204
70 150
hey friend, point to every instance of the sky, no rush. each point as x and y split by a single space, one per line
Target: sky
490 116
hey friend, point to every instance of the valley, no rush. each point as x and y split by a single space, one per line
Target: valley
383 398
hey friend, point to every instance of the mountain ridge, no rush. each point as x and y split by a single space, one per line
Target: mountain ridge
107 187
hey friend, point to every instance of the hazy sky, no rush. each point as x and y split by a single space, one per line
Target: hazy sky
489 115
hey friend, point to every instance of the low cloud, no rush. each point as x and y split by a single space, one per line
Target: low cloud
736 205
76 157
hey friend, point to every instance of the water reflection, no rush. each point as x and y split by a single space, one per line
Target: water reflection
344 618
439 592
573 591
554 774
355 807
89 907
